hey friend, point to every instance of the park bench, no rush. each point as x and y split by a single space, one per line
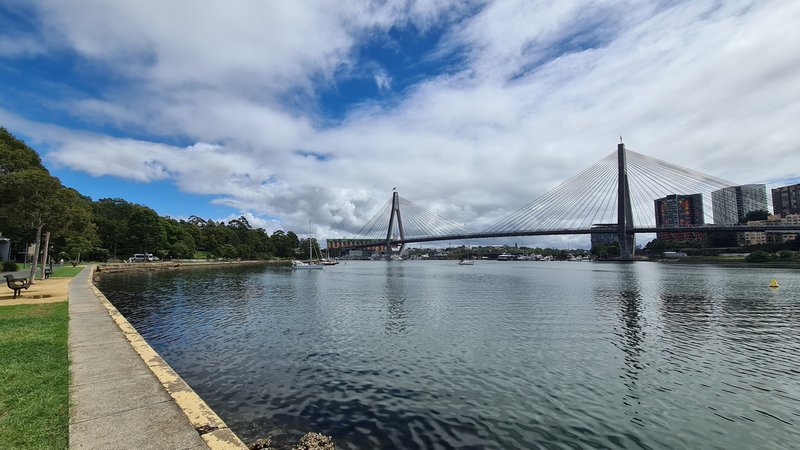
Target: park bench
17 284
47 272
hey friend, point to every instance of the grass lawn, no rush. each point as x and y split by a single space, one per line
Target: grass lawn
66 271
34 377
201 254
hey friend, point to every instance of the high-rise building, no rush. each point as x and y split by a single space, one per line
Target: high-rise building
679 210
786 200
732 204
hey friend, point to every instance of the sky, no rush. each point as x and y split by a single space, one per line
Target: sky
290 112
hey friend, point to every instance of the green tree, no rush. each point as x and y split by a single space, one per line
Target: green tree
282 244
658 246
180 243
36 201
755 215
599 250
228 251
757 256
146 230
301 252
15 155
180 250
602 251
75 246
294 241
111 216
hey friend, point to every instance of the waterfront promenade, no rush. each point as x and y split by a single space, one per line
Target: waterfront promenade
122 394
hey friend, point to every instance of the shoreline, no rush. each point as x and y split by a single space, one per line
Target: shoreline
176 265
210 428
728 262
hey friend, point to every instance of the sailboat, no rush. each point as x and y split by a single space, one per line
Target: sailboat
328 261
310 264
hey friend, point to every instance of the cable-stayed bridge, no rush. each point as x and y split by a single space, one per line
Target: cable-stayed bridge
615 195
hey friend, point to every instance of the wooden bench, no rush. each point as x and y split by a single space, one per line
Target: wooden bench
17 284
47 272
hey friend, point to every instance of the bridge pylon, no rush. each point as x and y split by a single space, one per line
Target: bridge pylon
625 235
394 217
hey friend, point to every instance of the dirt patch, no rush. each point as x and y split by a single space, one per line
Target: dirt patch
50 290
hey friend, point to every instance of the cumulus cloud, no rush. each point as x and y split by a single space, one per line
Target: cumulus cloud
532 93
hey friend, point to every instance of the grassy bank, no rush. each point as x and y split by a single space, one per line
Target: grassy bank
66 271
34 376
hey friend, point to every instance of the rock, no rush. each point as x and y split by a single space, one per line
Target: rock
315 441
261 444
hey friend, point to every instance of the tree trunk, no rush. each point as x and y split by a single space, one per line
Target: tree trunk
44 259
36 248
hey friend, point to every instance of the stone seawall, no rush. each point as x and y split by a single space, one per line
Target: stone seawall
175 265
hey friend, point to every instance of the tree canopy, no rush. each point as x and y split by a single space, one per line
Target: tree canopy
15 155
756 215
36 202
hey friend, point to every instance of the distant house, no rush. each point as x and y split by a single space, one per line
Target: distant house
770 237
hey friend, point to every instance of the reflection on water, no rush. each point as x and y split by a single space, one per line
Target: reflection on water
631 338
496 355
395 297
632 320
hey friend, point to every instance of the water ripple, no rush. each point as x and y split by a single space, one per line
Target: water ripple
507 355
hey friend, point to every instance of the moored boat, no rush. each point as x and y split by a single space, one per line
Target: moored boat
302 265
306 265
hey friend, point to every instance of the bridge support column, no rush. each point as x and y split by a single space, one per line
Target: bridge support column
625 236
389 233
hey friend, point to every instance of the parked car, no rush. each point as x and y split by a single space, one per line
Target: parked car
143 257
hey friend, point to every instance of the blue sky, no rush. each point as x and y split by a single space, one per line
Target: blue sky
290 111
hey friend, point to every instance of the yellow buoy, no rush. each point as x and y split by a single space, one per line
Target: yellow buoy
773 283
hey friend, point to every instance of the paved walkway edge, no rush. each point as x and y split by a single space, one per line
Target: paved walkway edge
212 429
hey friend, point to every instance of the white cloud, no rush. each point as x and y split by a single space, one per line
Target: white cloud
19 46
708 85
382 80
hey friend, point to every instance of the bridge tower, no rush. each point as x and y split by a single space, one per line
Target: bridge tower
624 211
389 233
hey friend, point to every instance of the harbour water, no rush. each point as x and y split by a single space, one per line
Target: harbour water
499 355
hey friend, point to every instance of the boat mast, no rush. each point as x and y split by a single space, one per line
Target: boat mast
310 258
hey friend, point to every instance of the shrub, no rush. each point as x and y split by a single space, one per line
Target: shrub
785 254
757 256
96 254
10 266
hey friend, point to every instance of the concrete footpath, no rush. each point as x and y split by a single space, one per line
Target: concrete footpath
122 394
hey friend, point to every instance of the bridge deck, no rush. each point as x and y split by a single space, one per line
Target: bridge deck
637 230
